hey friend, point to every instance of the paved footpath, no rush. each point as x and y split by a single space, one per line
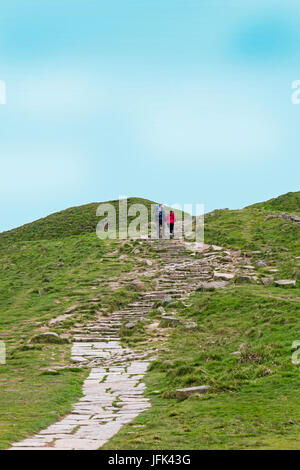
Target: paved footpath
113 394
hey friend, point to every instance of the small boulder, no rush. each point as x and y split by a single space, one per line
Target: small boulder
169 321
129 326
211 285
139 285
260 264
223 276
216 248
71 308
286 282
183 393
243 278
191 326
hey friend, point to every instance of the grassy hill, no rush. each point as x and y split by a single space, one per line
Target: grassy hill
69 222
52 265
289 202
241 347
258 229
73 221
41 280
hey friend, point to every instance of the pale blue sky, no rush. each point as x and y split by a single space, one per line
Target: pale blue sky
176 101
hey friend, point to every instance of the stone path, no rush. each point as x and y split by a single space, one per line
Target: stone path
113 394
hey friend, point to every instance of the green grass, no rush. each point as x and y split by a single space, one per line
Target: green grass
58 262
254 397
251 229
289 202
34 276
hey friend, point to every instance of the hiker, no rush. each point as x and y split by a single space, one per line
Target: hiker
171 218
160 219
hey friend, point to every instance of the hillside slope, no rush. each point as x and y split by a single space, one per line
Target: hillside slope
258 228
53 285
69 222
57 268
240 345
289 202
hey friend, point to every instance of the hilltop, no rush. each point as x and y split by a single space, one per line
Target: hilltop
257 227
73 221
289 202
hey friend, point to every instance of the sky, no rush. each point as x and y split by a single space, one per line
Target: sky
177 101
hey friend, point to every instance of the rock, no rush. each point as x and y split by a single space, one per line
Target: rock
292 218
286 282
138 284
113 253
236 353
211 285
267 281
71 308
148 262
260 264
169 321
161 310
243 278
183 393
216 248
129 326
168 299
236 252
190 326
49 337
223 276
136 251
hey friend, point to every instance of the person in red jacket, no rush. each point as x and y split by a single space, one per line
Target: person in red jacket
171 217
